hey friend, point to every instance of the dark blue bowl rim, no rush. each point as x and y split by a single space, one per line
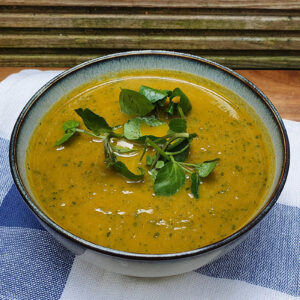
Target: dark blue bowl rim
138 256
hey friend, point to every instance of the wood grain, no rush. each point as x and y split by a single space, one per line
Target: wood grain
62 33
148 21
281 87
252 4
69 59
160 41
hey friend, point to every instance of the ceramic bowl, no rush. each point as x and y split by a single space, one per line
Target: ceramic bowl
146 265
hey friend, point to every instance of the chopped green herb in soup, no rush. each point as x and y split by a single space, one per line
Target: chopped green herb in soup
155 162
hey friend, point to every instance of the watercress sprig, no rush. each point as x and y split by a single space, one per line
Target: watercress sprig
169 178
167 166
148 100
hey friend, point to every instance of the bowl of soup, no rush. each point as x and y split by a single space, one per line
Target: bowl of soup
149 163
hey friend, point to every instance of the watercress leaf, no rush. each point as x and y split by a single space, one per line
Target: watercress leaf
204 169
177 125
159 164
162 102
184 102
143 138
179 145
134 103
70 125
121 168
132 129
151 121
93 121
69 128
184 154
65 138
168 92
153 95
122 149
149 160
153 173
195 182
170 178
171 108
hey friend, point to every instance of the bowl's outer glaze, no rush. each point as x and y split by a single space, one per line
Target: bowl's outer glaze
143 267
145 264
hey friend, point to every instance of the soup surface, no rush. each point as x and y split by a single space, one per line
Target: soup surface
72 184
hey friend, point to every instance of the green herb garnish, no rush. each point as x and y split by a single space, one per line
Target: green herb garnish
134 103
195 182
169 179
69 128
122 169
93 122
132 127
177 125
206 167
184 102
154 95
167 164
148 99
123 149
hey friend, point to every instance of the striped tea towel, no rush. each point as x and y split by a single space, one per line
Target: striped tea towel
34 266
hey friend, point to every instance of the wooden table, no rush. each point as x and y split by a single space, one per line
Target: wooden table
240 34
281 87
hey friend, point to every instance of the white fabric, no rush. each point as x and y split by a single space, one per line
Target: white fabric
291 192
15 92
89 282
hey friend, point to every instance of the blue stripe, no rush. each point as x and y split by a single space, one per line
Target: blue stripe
6 180
269 257
14 212
32 265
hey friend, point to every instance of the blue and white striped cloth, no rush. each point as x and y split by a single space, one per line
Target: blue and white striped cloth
34 266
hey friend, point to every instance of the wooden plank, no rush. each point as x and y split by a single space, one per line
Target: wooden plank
44 60
281 87
169 11
149 42
251 4
258 62
69 60
139 21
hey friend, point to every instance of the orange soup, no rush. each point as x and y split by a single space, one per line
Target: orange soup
75 188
